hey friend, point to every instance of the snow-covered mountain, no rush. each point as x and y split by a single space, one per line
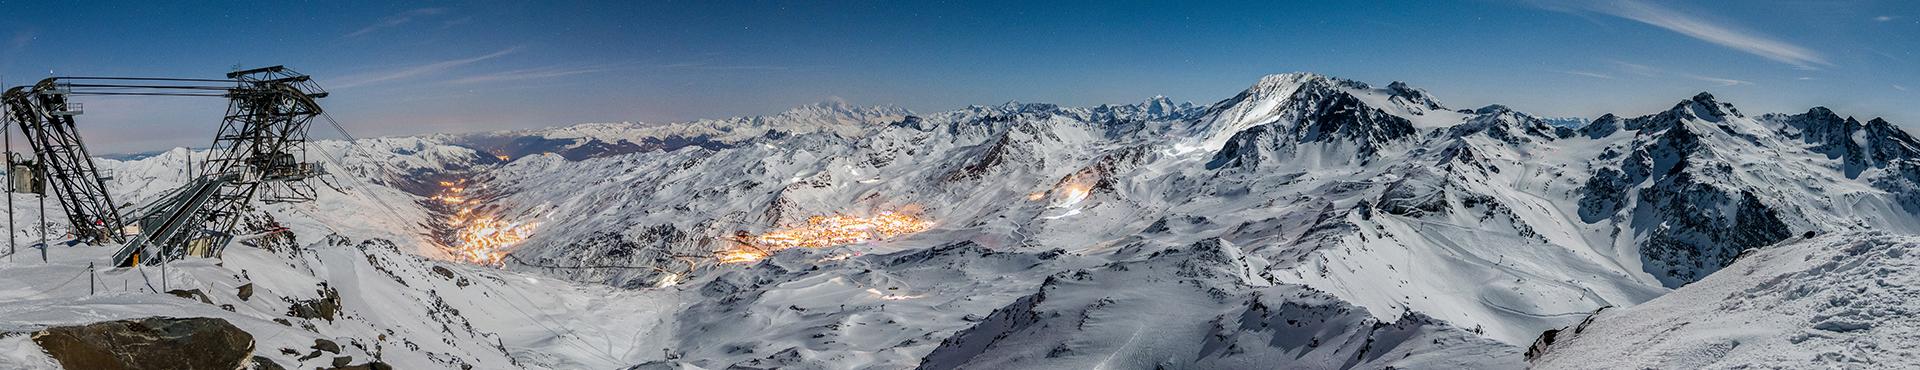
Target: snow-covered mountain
1840 300
1309 221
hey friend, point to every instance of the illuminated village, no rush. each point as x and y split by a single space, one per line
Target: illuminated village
478 238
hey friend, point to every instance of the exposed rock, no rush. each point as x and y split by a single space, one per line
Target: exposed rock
325 307
1546 340
376 365
443 272
1539 346
149 343
191 294
263 363
326 345
246 291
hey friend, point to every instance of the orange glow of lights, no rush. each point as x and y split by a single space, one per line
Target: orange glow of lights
1077 191
825 231
739 256
477 238
828 231
667 280
486 240
1072 192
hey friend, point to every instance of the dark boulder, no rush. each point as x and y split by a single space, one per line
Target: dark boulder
149 343
326 345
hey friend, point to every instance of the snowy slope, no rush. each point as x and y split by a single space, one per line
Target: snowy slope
1841 301
1202 306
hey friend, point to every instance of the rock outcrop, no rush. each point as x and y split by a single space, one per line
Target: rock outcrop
149 343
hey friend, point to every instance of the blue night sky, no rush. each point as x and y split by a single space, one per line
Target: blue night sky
448 67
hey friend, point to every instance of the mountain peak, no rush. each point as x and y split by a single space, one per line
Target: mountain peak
1492 109
1290 80
1413 96
838 105
1603 126
836 110
1703 106
1703 97
1821 112
1160 105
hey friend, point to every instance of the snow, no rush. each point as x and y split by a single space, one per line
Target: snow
1844 300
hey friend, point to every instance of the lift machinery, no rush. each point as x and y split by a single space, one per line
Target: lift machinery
258 152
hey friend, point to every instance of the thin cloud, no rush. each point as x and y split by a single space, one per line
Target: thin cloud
1717 80
1885 18
1898 87
1589 74
534 74
397 20
1702 29
419 70
1651 71
1638 69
